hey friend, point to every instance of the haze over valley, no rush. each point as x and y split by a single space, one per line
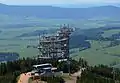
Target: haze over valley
97 30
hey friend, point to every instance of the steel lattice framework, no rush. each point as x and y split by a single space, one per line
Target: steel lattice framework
55 46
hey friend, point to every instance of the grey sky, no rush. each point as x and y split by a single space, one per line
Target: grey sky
51 2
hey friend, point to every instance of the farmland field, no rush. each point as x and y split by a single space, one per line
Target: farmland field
10 42
109 33
97 55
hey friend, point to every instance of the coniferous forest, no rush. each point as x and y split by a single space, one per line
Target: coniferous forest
10 71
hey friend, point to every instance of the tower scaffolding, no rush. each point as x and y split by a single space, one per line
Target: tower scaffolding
55 46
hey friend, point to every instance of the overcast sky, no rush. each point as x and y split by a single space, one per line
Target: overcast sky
55 2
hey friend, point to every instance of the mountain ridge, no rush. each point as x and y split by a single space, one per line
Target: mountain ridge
63 6
52 12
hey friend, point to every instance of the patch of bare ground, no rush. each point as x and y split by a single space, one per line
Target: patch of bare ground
38 81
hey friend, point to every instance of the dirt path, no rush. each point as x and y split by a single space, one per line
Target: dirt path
24 78
73 77
71 80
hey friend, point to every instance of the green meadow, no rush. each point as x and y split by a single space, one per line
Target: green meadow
99 55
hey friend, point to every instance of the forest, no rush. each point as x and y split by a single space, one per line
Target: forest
10 71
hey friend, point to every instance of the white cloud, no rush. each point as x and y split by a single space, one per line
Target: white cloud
50 2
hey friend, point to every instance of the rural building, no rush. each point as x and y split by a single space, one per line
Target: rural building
44 70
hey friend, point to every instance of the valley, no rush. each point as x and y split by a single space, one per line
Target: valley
17 40
96 39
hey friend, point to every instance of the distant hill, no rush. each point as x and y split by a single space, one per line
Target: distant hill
50 12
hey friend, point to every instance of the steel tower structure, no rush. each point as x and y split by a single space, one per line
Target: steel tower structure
55 46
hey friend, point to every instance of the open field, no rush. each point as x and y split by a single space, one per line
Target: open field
21 48
10 43
109 33
97 55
